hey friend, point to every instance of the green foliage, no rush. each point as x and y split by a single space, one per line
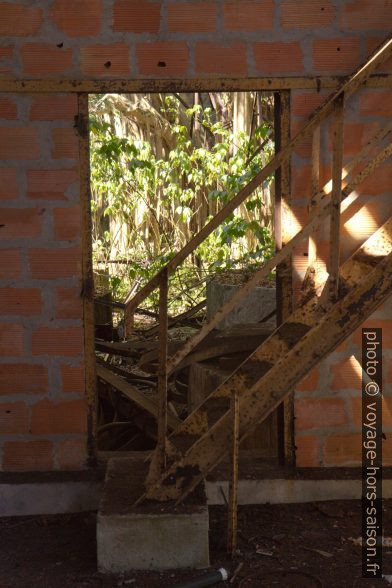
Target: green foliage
145 207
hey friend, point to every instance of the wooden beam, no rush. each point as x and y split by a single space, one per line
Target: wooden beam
336 198
121 86
135 395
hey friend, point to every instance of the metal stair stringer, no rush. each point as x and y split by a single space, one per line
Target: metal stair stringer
367 279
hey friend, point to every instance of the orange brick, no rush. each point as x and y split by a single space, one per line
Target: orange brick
50 184
10 264
6 51
278 58
20 301
49 264
67 223
307 451
65 143
310 382
389 375
43 59
63 417
343 449
19 143
72 454
21 222
54 107
356 135
378 182
72 378
23 378
105 60
344 345
302 180
212 58
68 303
8 183
163 58
195 17
248 15
347 374
305 104
136 17
384 324
356 411
14 418
318 413
8 109
307 14
372 45
58 341
367 15
77 18
11 339
304 148
336 56
28 455
376 103
18 20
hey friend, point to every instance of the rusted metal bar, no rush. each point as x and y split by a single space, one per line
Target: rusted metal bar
233 485
284 280
162 371
337 166
348 88
87 272
313 223
121 86
315 189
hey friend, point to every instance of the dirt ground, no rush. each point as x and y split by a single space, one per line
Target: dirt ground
303 545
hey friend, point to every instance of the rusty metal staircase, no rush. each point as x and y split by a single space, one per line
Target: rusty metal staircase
329 311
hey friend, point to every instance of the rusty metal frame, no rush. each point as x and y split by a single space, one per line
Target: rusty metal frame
140 85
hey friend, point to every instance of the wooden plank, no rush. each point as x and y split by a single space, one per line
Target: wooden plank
135 395
121 86
337 166
313 223
87 273
348 87
233 485
162 373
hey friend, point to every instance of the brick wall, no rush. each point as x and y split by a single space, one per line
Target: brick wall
42 383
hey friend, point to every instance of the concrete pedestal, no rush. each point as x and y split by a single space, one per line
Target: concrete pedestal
259 303
152 536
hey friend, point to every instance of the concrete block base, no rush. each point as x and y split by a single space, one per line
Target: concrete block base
152 536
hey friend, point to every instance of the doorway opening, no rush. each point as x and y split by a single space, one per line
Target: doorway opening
162 165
